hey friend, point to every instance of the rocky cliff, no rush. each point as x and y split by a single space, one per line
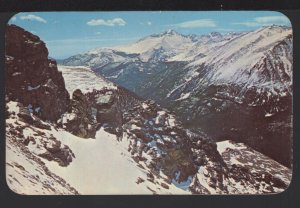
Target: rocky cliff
32 78
35 98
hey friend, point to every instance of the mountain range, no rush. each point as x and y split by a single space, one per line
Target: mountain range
234 86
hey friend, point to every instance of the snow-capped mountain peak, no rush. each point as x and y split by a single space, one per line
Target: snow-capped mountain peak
215 35
169 32
170 41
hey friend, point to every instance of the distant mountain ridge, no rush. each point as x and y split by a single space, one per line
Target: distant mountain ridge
169 43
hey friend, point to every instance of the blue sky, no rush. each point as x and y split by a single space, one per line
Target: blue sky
70 33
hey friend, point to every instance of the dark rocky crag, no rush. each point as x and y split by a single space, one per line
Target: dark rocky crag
32 78
79 119
109 106
34 82
99 108
151 131
158 140
37 90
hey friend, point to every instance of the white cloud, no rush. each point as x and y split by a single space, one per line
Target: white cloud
264 21
110 22
149 23
31 17
97 33
197 23
13 19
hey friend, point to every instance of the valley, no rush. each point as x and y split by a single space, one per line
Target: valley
207 79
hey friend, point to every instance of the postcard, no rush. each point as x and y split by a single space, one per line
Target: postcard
153 102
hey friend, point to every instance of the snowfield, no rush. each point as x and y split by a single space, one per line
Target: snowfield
83 78
107 164
101 166
104 166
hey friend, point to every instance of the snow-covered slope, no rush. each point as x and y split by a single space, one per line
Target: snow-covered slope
108 167
240 157
83 78
26 146
159 46
236 61
27 174
123 174
247 171
204 44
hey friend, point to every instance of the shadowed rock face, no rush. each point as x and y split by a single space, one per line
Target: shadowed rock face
79 120
153 131
32 78
99 108
107 107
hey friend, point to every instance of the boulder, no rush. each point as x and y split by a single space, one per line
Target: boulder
55 151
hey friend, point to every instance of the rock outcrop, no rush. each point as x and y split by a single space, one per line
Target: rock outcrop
32 78
37 91
154 132
104 104
79 119
36 97
160 142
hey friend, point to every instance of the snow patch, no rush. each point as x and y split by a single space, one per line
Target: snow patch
83 78
29 88
227 144
184 96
